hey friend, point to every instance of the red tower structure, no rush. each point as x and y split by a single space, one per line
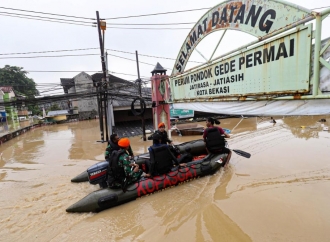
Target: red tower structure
160 97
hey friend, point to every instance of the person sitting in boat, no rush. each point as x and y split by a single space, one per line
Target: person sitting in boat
113 145
162 132
214 139
162 158
122 171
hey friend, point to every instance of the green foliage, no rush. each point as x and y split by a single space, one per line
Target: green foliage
54 107
35 109
16 77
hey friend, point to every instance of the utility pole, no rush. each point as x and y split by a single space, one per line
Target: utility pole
140 93
110 119
103 85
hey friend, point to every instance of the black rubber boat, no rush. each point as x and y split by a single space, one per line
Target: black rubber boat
197 147
106 198
202 164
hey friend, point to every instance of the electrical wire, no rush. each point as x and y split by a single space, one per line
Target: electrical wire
150 24
87 71
60 20
54 51
123 17
48 51
149 55
45 56
47 20
60 71
34 16
76 95
133 16
153 14
148 28
69 16
134 60
173 12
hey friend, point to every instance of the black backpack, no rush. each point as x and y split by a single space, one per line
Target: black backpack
116 173
214 140
161 160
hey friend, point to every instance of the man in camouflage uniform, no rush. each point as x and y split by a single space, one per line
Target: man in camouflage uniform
132 170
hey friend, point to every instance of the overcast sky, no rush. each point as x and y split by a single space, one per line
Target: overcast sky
21 35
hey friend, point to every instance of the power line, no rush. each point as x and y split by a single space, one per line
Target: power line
133 16
112 72
45 56
126 52
47 20
54 51
122 17
152 14
69 16
48 51
148 28
135 60
27 15
151 24
62 71
126 74
172 12
64 21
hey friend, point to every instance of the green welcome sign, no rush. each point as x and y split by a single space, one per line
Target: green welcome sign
181 113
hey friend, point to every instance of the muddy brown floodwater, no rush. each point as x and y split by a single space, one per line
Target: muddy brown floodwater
280 194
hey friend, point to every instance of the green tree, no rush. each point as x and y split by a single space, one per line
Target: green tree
54 107
35 109
16 77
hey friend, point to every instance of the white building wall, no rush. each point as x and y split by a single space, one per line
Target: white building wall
84 85
74 102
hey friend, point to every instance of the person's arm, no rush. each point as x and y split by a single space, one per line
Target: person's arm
227 135
151 137
223 132
107 152
204 134
167 139
129 172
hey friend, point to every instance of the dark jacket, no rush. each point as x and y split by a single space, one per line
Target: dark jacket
164 136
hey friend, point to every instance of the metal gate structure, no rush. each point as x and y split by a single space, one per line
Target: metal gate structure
286 71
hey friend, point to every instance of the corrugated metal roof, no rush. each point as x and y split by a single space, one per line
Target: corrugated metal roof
57 112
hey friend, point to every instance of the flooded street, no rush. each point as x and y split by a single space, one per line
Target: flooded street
280 194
